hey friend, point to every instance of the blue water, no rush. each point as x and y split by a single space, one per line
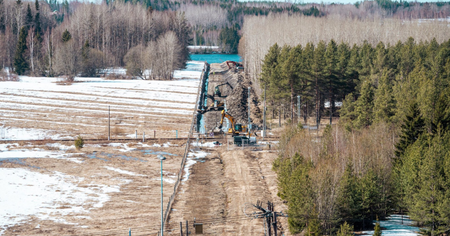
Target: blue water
215 58
151 152
393 226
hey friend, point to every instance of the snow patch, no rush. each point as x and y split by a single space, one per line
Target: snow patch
122 171
193 157
52 197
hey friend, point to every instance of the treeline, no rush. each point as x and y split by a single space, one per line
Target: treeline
261 33
389 152
100 37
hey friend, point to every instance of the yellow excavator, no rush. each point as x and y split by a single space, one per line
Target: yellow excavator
235 129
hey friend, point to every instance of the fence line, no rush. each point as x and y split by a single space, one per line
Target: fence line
186 151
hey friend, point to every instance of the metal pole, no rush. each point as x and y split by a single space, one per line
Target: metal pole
264 114
162 217
249 124
143 137
109 123
298 108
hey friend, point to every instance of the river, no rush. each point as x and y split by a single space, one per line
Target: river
215 58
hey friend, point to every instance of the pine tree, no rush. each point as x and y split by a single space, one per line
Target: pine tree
412 127
66 36
290 71
307 91
318 74
269 66
330 75
364 106
384 104
20 63
346 85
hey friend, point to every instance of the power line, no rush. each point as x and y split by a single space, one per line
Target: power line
268 214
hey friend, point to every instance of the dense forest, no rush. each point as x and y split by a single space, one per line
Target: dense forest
390 151
92 38
103 34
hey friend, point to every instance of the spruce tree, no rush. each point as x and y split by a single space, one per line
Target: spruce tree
427 184
349 198
347 112
29 18
37 23
377 230
20 62
413 126
345 230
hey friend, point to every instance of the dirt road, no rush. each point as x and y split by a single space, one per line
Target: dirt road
221 188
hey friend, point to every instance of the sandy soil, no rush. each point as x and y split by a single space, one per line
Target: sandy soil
220 190
136 206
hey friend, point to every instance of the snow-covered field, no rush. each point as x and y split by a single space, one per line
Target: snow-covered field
54 189
38 108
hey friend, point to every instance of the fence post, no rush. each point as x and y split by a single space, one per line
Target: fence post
143 137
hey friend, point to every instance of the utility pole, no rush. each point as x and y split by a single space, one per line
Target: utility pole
162 158
298 108
109 123
249 124
264 113
270 217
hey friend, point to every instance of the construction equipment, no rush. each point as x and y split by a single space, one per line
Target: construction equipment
235 65
217 90
216 106
236 129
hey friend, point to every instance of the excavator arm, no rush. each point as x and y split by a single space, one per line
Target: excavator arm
229 117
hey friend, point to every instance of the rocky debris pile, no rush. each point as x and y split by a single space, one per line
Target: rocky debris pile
237 102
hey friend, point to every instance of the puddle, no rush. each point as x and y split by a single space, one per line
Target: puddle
123 157
18 161
151 152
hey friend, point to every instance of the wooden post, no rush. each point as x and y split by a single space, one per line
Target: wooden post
275 223
181 228
187 228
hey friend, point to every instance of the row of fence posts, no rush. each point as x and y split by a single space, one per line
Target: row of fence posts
154 135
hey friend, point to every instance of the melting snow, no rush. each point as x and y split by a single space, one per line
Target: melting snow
51 197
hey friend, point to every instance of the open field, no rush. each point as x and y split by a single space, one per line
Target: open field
102 189
40 108
50 188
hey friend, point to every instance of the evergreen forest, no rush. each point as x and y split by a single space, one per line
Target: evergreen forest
390 150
